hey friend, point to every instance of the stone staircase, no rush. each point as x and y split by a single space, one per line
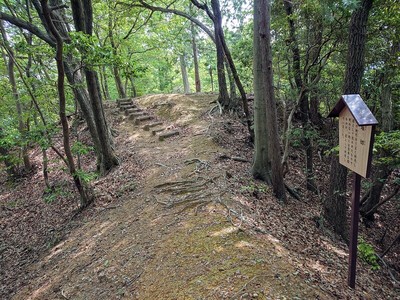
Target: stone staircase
142 117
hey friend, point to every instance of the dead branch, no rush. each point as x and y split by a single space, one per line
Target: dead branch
395 281
394 193
293 192
241 159
396 240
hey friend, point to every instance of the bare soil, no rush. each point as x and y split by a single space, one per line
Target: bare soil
178 219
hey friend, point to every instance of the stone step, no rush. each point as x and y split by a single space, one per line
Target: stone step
157 130
124 102
142 119
136 115
125 107
163 136
132 111
148 126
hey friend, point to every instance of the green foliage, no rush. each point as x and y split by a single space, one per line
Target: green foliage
387 148
332 151
86 177
89 50
254 188
78 148
295 136
367 254
53 193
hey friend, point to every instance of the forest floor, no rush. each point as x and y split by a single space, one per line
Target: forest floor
178 219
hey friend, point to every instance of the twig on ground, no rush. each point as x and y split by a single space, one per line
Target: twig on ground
62 294
293 192
396 282
161 165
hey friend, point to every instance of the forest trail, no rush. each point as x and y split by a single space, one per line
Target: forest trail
171 236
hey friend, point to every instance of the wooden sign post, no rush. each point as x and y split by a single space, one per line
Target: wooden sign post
356 138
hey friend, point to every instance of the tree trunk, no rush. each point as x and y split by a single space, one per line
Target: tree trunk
117 77
195 59
4 156
232 85
70 68
82 15
118 83
316 39
11 77
210 71
370 206
104 83
267 161
133 88
380 177
85 199
185 79
223 97
335 204
303 103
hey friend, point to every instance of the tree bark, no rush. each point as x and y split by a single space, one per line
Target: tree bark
370 206
73 76
104 81
21 126
210 71
223 97
85 198
185 79
335 203
303 103
195 59
117 77
4 156
82 14
133 87
316 38
267 161
232 85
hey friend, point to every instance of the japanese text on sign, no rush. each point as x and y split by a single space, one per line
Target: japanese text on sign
354 143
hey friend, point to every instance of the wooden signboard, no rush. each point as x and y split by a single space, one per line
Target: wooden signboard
356 138
354 144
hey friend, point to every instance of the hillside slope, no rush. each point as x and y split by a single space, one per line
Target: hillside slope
181 219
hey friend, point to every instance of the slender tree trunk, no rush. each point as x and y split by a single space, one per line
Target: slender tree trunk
82 97
303 103
117 77
267 161
335 204
70 69
21 126
85 198
104 83
235 75
118 83
4 157
133 88
223 91
195 59
210 71
370 206
83 19
316 38
185 79
232 85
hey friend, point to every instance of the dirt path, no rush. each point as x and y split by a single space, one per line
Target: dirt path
170 236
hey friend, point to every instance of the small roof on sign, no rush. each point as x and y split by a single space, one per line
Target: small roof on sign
357 107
